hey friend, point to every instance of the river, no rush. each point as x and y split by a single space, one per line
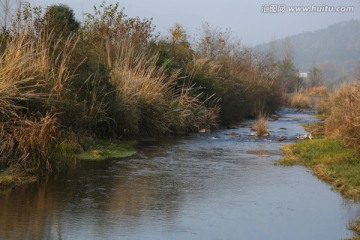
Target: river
222 185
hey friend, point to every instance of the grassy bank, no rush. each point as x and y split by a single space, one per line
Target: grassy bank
95 150
330 161
333 155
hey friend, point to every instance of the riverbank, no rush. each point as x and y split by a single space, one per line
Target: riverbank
97 150
330 161
181 187
64 86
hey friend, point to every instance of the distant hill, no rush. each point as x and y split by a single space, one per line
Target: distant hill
335 49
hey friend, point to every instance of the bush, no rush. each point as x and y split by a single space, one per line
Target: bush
343 119
60 19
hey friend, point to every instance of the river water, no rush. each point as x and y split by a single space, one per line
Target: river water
205 186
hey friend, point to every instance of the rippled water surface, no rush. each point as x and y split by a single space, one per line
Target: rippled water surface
209 186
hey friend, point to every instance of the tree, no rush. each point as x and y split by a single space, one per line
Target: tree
357 72
288 50
288 73
315 77
213 41
7 11
112 23
60 19
179 46
178 34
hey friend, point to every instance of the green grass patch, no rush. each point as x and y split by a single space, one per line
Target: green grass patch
106 149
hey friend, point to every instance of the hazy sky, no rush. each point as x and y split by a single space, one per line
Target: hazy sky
245 18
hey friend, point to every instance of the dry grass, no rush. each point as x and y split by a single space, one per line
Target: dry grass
35 143
19 76
25 142
192 114
34 75
32 68
143 90
317 91
260 126
343 120
300 100
148 96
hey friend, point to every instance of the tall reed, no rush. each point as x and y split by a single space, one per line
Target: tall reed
34 79
148 96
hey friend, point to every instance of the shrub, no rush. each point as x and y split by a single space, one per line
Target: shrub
343 120
60 19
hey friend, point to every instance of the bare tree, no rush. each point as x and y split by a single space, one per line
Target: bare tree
213 41
357 72
288 50
273 51
288 72
8 10
315 77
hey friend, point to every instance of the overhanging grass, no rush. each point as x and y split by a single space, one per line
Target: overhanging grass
8 180
105 149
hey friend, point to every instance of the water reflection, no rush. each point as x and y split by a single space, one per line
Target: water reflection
201 187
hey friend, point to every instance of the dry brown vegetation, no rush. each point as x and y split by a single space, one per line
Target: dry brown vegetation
260 126
45 94
61 81
299 100
34 74
317 91
343 115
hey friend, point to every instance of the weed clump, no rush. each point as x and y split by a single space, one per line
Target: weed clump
260 126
